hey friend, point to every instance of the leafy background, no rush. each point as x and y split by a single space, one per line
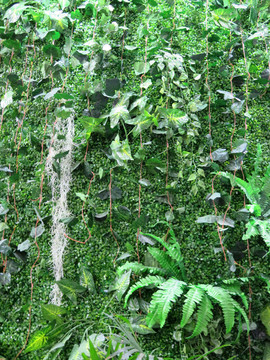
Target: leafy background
164 95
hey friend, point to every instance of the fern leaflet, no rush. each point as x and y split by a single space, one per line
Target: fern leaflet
165 261
204 315
140 268
194 296
225 300
162 301
148 281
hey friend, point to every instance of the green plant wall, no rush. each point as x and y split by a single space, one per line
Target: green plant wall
119 118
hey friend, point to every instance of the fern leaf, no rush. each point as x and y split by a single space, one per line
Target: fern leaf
194 296
140 268
165 261
158 239
264 226
242 312
173 249
204 315
245 186
226 302
148 281
162 301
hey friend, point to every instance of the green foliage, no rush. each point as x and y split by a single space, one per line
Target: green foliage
158 82
171 289
257 190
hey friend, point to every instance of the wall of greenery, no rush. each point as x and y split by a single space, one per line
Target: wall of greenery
134 179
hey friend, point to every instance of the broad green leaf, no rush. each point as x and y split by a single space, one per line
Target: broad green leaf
82 196
52 50
119 112
121 285
12 44
141 68
3 226
142 122
174 118
90 124
56 349
265 318
86 279
64 3
121 151
7 99
51 312
15 11
24 245
70 289
38 340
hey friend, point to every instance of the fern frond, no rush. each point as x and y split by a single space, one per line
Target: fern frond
194 296
264 227
138 268
242 312
148 281
226 302
173 249
204 315
162 301
158 239
165 261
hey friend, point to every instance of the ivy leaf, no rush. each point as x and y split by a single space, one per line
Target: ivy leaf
141 68
5 278
4 247
192 177
14 12
210 219
82 196
24 245
90 124
52 50
117 113
51 93
121 151
37 231
142 122
7 99
237 106
220 155
4 208
70 289
196 105
38 340
174 118
64 3
227 95
3 226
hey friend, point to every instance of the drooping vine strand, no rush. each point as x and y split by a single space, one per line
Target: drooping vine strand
141 141
246 115
167 140
207 78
